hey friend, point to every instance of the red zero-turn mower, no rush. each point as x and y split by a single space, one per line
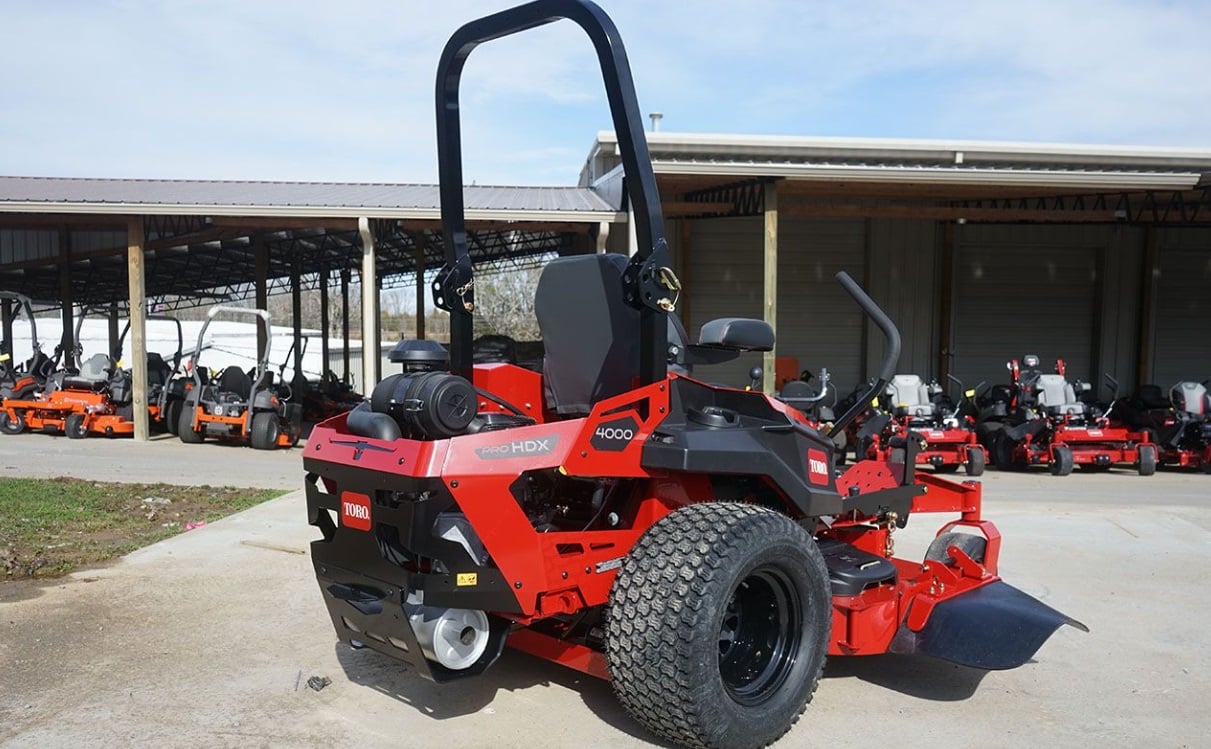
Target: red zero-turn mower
238 406
689 542
945 433
1180 424
1046 423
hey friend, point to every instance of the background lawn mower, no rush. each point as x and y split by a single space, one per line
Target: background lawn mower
237 405
49 407
690 542
1041 420
945 433
25 380
1180 424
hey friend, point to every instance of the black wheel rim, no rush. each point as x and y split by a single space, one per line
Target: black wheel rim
759 636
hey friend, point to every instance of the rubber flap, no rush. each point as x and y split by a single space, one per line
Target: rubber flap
994 627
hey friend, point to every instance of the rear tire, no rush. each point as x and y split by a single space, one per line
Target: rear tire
12 426
975 462
968 543
74 427
718 626
1002 452
264 430
1147 465
172 415
1061 461
185 426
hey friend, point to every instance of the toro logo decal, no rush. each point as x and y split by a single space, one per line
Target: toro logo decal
614 436
817 467
519 448
355 511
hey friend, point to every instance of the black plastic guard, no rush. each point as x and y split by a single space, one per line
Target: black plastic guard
994 627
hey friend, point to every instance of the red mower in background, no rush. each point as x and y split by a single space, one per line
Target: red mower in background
1045 422
944 431
1179 424
689 542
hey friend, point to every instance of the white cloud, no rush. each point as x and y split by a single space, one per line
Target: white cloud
318 90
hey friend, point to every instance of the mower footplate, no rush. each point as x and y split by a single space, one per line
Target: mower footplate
994 627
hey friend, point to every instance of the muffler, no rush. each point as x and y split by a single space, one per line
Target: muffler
455 638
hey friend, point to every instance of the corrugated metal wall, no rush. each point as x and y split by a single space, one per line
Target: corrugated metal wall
22 245
1183 307
1025 290
903 279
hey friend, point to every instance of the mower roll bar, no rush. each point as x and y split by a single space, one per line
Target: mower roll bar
176 359
262 367
889 359
25 302
648 282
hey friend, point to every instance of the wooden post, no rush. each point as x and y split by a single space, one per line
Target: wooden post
370 347
345 274
67 340
687 274
770 308
138 325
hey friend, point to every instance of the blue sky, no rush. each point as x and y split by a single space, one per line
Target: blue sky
310 90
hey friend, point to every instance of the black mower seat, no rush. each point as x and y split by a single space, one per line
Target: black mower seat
235 381
93 375
590 334
1149 398
158 371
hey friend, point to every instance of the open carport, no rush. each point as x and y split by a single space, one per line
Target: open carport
209 639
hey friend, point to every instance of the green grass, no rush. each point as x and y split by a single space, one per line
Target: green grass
49 527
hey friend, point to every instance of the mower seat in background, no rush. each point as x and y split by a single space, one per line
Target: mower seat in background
1056 396
235 381
909 396
1192 398
158 371
93 375
1149 398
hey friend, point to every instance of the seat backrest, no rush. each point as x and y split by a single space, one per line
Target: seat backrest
158 370
590 335
1150 397
1190 397
96 368
236 381
909 395
1056 395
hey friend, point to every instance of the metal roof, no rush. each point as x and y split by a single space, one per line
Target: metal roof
918 161
296 199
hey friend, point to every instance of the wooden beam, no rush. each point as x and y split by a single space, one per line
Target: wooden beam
324 322
576 227
138 325
946 301
345 274
370 347
261 284
421 242
1148 289
284 223
770 308
797 209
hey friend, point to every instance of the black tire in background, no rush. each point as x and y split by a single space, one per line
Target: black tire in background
172 414
975 461
718 626
1147 465
185 426
1002 452
1061 461
74 427
12 426
265 430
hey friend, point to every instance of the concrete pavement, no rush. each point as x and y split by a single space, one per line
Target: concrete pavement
208 639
